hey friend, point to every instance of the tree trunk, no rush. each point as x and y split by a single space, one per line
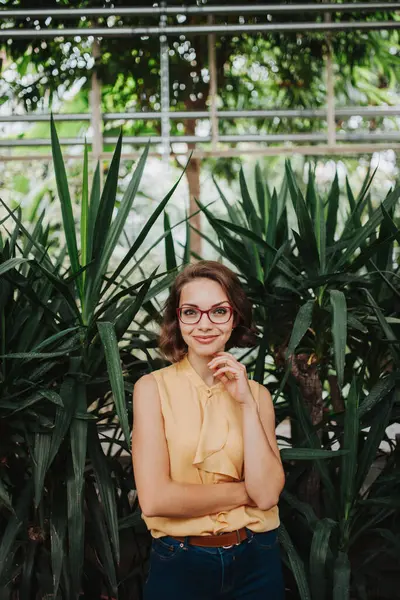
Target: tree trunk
193 178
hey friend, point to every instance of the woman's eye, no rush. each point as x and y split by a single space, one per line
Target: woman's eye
220 311
188 312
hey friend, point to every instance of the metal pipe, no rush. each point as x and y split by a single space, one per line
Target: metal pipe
70 13
120 32
213 87
164 86
235 139
320 150
350 111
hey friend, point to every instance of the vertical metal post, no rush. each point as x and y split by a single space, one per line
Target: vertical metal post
330 88
95 106
164 74
212 66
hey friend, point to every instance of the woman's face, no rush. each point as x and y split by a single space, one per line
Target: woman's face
205 293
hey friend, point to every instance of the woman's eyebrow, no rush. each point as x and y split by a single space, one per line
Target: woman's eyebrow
197 306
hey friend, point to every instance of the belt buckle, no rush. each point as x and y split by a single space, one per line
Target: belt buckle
238 540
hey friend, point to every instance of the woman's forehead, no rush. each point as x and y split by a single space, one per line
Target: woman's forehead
203 290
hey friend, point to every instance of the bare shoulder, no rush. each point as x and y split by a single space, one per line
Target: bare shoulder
145 391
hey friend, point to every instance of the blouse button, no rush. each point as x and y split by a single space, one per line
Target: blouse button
209 393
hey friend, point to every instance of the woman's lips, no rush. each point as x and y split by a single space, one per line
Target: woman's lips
205 340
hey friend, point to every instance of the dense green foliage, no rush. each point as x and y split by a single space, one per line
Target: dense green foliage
326 303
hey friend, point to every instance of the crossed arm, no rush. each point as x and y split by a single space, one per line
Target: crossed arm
159 495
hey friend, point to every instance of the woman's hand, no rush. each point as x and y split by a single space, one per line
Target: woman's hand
233 375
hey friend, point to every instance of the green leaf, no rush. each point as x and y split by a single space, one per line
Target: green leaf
12 263
248 206
362 234
65 198
85 213
58 527
296 563
339 331
378 392
310 453
105 485
318 555
170 258
350 443
14 524
333 210
341 577
300 327
142 236
111 351
94 204
41 455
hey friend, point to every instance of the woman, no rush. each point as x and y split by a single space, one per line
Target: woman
207 465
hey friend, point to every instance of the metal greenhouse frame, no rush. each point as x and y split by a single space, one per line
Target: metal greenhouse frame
318 143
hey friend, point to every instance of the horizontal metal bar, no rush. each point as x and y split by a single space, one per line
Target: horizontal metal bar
71 13
318 150
271 138
350 111
121 32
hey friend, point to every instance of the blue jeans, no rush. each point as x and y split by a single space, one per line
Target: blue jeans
250 571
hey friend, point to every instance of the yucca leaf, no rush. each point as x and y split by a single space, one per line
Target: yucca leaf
111 351
76 529
65 199
300 327
318 555
12 263
296 563
339 331
387 330
261 197
377 393
350 443
361 235
310 453
320 232
374 439
101 535
25 583
233 212
85 212
341 577
143 234
304 508
186 253
170 258
333 209
248 206
117 225
58 527
105 485
94 204
42 449
306 241
14 524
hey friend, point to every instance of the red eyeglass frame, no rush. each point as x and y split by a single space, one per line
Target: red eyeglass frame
228 306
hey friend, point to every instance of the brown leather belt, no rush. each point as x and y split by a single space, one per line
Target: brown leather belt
216 541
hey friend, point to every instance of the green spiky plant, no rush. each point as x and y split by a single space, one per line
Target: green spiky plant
66 480
326 299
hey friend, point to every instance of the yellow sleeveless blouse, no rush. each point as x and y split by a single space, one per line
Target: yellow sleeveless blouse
203 429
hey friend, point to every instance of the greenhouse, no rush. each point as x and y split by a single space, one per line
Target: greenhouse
199 300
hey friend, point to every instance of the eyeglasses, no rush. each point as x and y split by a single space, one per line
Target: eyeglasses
217 314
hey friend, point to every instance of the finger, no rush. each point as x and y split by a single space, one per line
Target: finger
225 370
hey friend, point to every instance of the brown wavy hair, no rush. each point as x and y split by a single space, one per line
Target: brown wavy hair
244 335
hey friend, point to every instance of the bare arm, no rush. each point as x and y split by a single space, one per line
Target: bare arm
263 469
158 494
